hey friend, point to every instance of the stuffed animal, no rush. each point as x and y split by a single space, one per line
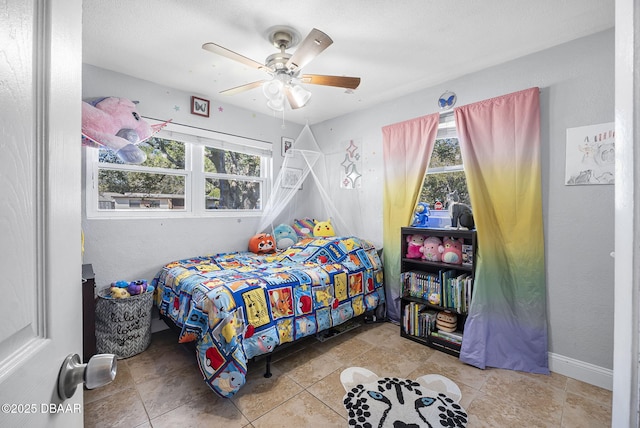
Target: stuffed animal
137 287
262 243
114 123
414 246
285 236
431 249
323 229
452 250
119 293
446 321
421 215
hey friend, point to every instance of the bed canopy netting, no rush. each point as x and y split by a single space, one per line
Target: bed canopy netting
305 159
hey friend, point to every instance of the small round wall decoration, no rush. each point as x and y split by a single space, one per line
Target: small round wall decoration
447 100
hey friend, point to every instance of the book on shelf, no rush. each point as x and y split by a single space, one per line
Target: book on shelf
467 254
453 336
419 319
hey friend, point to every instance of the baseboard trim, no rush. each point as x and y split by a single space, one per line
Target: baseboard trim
585 372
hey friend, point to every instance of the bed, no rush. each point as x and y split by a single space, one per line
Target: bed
237 306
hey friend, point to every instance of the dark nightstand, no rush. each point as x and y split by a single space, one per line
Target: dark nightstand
88 313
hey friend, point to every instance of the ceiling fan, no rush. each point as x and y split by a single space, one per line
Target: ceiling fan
285 68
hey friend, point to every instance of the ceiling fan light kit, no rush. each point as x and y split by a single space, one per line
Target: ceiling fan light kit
284 68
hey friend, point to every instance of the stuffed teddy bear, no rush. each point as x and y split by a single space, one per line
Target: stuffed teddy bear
431 249
452 250
114 123
285 236
323 229
262 243
414 246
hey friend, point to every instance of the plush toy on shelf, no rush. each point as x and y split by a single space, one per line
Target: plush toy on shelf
446 321
114 123
452 250
285 236
414 246
431 249
323 229
262 243
421 215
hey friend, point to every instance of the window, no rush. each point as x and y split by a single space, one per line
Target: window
445 173
187 172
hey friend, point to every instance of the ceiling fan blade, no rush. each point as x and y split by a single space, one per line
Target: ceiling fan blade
339 81
315 42
242 88
217 49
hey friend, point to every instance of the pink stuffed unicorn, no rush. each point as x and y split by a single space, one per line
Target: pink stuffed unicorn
114 123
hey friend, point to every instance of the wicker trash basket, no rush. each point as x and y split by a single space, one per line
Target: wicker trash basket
123 326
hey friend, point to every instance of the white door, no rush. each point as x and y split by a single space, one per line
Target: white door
40 252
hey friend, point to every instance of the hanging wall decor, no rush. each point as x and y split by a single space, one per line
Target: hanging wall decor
350 175
447 100
200 106
590 155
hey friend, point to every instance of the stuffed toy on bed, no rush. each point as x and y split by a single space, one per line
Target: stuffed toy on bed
262 243
285 236
115 123
323 229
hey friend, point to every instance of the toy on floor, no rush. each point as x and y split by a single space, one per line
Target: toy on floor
114 123
323 229
262 243
285 236
414 246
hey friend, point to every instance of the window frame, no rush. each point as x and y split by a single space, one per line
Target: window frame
195 140
446 130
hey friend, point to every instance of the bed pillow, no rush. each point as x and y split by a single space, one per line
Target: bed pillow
304 227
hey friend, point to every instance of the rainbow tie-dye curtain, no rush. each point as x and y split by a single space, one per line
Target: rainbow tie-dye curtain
500 145
407 147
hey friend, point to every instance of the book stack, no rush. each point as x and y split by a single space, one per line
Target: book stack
420 284
418 319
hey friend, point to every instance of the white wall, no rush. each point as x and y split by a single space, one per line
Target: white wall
126 249
577 86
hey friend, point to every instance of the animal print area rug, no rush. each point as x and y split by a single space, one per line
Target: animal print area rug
429 401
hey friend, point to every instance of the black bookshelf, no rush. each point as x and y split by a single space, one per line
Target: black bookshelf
425 335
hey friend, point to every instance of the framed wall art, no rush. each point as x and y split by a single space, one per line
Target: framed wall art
199 106
287 144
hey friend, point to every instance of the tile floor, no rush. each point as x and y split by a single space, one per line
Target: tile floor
163 387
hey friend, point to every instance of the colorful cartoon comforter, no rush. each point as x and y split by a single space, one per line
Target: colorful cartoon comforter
240 305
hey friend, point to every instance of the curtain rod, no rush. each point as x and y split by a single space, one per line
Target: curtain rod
210 130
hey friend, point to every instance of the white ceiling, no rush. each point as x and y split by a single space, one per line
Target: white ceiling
396 47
